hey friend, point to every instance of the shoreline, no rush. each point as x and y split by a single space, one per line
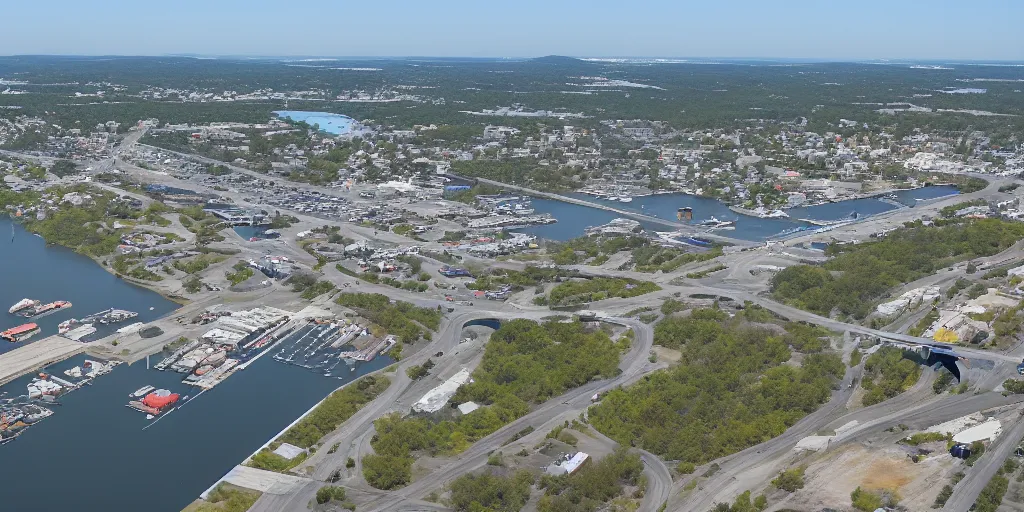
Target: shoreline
275 437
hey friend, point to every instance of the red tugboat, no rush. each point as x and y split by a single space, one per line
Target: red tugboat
155 402
20 333
48 308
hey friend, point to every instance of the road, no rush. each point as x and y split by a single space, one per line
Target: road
632 366
321 464
966 492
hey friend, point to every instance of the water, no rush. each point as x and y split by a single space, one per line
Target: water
93 448
33 270
248 232
92 453
573 219
335 124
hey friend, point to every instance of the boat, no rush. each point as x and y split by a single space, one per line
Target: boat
714 223
139 393
692 240
216 358
20 333
23 304
67 325
46 309
160 399
139 406
117 315
43 387
764 213
521 209
626 199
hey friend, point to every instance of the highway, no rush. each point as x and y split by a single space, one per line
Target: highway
918 406
633 367
741 471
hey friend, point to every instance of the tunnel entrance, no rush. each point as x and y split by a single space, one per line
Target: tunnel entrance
492 323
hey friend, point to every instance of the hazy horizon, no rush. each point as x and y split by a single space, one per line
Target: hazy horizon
742 29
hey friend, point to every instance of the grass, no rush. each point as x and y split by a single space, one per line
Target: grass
226 498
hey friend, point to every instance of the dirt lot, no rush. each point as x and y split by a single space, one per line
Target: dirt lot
831 479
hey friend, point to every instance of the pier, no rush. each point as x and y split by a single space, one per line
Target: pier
687 228
34 356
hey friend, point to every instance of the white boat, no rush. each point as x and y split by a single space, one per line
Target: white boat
23 304
67 325
764 213
626 199
142 391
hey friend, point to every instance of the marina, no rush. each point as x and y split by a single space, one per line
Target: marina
574 219
324 348
262 400
52 272
42 391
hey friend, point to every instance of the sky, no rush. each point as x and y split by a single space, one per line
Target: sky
819 30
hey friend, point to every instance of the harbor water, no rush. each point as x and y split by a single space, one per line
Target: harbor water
335 124
574 219
94 449
49 273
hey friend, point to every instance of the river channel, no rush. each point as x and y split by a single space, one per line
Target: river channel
31 269
574 219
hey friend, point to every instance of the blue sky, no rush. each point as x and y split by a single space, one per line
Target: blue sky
827 30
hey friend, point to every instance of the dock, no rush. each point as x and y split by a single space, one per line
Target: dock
367 354
36 355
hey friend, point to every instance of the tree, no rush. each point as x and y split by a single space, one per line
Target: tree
790 480
192 284
330 493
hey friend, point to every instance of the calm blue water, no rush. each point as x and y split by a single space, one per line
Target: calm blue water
573 219
92 454
248 232
33 270
335 124
94 450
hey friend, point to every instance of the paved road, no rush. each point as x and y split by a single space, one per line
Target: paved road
745 462
321 463
967 490
633 365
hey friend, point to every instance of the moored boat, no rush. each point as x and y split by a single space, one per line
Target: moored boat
20 333
46 309
67 325
22 305
139 393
